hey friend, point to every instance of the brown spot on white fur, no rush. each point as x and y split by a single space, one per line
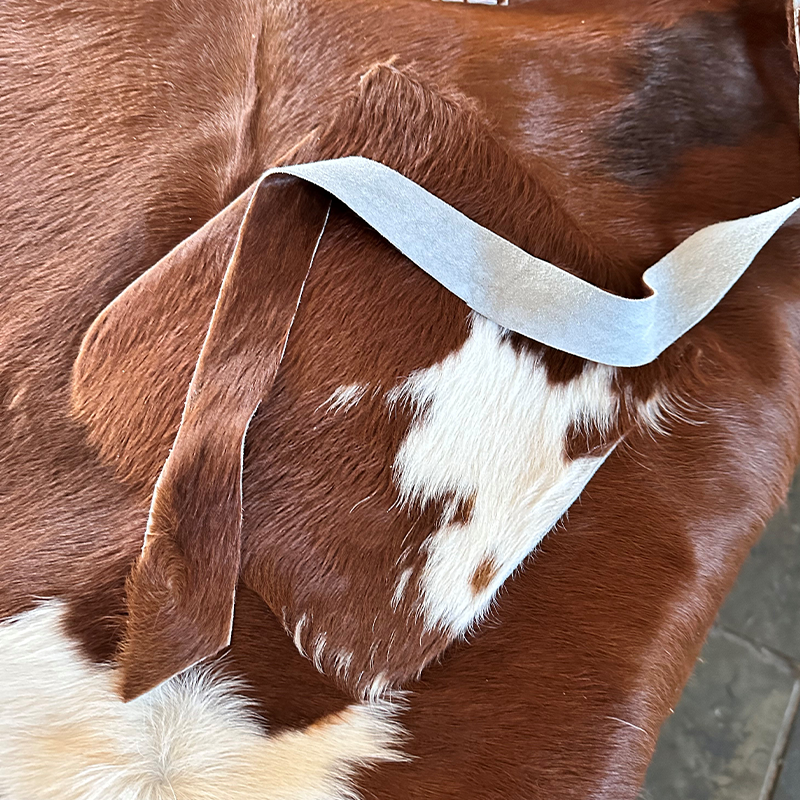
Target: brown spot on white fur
483 576
491 427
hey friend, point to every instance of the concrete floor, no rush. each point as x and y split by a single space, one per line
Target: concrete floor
735 734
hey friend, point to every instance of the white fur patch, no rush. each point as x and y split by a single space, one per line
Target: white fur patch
344 398
400 586
65 734
492 428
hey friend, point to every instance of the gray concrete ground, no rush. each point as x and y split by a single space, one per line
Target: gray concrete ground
735 734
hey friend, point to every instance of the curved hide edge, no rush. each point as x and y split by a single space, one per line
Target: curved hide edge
136 360
66 735
181 591
408 459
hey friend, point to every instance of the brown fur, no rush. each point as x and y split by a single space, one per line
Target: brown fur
444 146
181 591
514 115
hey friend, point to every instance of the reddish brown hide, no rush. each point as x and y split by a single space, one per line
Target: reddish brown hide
640 121
298 562
180 594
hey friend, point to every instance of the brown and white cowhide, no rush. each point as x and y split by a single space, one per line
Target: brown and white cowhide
375 533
